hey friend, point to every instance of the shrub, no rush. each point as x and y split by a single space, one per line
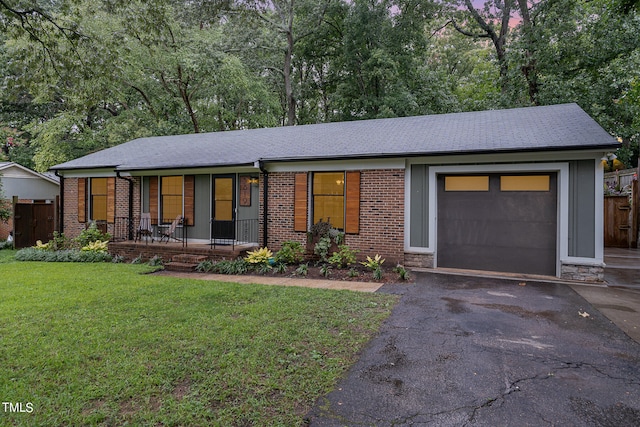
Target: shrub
42 246
302 270
92 234
344 257
6 245
325 270
237 266
373 263
403 274
322 248
280 268
259 256
377 273
97 246
292 252
66 255
156 261
205 266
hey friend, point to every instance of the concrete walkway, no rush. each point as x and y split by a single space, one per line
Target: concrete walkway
281 281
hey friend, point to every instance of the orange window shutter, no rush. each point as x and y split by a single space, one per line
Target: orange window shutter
189 195
300 203
352 203
82 199
153 199
111 200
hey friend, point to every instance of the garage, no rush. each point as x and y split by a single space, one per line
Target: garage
498 222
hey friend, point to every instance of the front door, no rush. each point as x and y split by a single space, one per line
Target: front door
223 224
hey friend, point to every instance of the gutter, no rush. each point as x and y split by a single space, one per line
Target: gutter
130 219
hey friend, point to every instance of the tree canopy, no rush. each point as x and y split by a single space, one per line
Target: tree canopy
82 75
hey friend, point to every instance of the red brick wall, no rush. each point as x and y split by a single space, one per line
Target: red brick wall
72 227
381 213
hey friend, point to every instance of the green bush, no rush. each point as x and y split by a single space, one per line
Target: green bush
205 266
92 234
292 252
67 255
344 257
237 266
259 256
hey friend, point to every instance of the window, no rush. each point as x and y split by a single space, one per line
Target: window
328 198
466 183
524 183
98 199
171 198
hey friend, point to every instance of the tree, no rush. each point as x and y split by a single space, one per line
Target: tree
292 20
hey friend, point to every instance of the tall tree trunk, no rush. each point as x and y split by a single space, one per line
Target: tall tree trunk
288 85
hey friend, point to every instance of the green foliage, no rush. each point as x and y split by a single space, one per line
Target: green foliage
205 266
92 234
259 256
6 245
236 266
156 261
325 270
373 263
280 268
344 257
402 272
292 252
67 255
377 273
96 246
302 270
353 273
322 247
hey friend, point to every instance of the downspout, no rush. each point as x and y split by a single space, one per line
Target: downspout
61 207
130 219
265 203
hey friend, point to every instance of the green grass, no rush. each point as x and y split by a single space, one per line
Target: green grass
103 344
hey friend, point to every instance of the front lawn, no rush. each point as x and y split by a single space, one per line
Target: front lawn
103 344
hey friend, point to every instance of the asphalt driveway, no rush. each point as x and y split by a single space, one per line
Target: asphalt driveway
466 351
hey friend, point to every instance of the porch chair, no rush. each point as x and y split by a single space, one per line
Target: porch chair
169 233
144 228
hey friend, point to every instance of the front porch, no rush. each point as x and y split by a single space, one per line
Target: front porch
146 250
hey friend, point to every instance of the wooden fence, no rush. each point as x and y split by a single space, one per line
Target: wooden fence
621 209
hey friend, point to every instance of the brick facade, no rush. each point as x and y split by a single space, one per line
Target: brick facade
72 227
381 214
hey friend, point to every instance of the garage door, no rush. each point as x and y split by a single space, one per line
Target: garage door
498 222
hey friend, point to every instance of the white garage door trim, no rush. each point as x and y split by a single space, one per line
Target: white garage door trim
562 169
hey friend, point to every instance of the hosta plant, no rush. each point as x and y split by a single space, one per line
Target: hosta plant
259 256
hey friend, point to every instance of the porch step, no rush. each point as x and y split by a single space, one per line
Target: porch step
189 258
183 267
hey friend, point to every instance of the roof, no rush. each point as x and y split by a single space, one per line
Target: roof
24 172
555 127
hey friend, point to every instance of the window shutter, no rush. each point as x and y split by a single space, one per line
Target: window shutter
189 194
153 199
111 200
352 203
300 203
82 199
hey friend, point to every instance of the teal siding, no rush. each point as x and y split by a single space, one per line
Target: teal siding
202 201
419 207
582 239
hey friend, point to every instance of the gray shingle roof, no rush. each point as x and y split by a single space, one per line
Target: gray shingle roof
556 127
